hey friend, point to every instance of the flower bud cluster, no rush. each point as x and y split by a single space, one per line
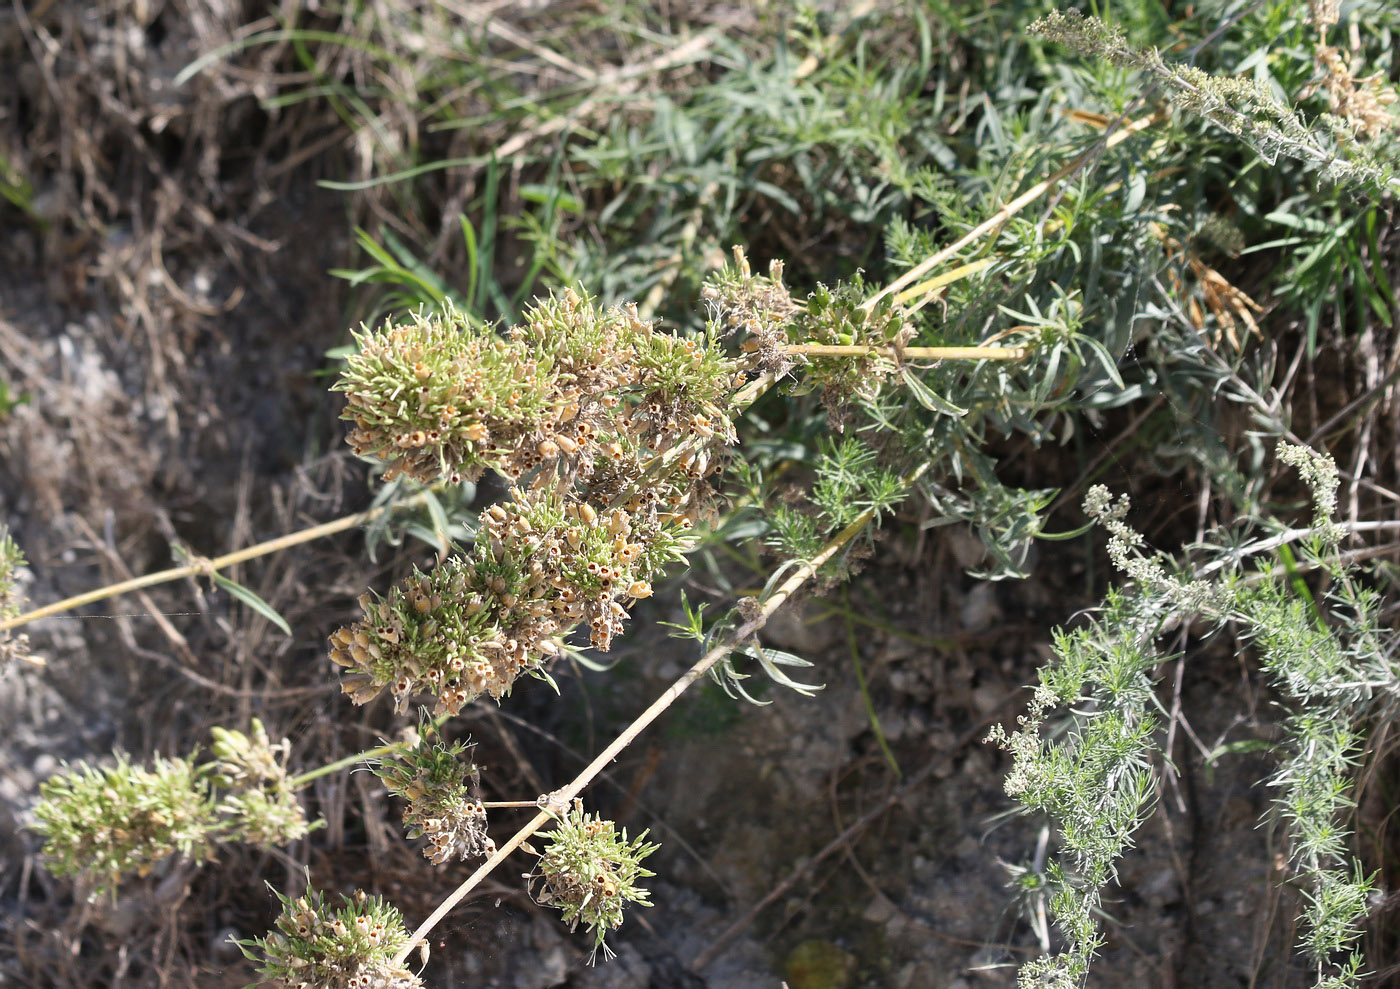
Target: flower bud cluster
12 647
108 823
837 316
611 481
258 800
442 794
437 397
315 946
589 871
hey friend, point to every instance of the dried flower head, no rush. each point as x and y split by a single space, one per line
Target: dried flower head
12 647
103 823
760 308
436 396
589 871
317 947
443 796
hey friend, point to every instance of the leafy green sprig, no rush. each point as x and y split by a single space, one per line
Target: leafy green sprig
1095 780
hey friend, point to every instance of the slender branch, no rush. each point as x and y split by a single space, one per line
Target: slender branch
556 803
1012 208
490 804
916 353
299 781
1291 536
201 567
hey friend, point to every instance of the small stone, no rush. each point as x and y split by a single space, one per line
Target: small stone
980 608
819 965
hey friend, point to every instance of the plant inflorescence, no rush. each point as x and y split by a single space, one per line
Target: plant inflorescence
610 437
441 791
1333 142
107 823
1096 780
589 870
319 946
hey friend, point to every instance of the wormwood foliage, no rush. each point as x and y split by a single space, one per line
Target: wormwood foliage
1095 779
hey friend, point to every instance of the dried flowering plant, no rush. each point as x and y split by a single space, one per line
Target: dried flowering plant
318 946
610 430
438 396
589 870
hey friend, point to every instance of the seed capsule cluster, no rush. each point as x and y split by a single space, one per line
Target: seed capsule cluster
542 564
318 947
590 870
611 477
440 788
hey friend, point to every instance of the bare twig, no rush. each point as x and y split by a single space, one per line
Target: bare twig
204 567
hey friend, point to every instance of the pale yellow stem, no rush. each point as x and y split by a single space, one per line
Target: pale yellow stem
1011 209
912 353
208 566
558 801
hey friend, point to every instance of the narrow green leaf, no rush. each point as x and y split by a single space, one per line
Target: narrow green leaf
928 398
253 601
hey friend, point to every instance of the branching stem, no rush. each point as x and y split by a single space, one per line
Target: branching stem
559 799
204 567
913 353
1012 208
